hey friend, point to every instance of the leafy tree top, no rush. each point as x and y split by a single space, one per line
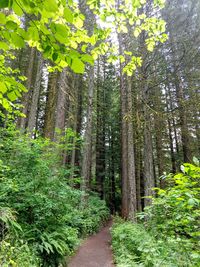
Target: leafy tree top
57 29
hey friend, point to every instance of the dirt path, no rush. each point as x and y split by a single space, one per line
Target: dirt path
95 251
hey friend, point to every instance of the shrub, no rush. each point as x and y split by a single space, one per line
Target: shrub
134 246
170 233
34 191
17 254
176 210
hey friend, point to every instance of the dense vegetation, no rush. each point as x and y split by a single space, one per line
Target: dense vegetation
169 235
98 101
41 217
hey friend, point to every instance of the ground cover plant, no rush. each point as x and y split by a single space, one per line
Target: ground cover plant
168 233
41 219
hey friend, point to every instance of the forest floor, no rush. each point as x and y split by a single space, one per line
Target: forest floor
95 251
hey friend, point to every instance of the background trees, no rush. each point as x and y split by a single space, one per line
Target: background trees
133 125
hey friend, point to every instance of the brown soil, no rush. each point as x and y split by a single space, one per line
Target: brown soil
95 251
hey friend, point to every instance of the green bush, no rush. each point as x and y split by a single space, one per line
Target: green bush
170 233
176 210
134 246
34 191
17 254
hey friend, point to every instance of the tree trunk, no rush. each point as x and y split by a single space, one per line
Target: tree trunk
49 121
100 137
87 146
185 136
124 140
22 122
131 156
35 96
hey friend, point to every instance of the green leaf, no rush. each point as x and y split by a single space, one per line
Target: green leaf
77 65
137 31
4 3
12 96
50 5
55 56
11 25
17 40
33 34
17 9
3 87
61 29
47 51
78 22
68 15
2 18
87 58
4 46
6 104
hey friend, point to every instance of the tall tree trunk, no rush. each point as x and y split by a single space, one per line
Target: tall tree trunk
49 121
148 172
131 156
149 181
185 136
159 126
112 174
124 140
87 147
35 96
100 136
79 116
173 159
169 109
138 172
61 109
129 201
22 122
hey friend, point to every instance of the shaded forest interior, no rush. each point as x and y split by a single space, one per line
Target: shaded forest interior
99 115
129 130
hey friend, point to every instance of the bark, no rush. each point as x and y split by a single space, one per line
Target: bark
129 202
159 126
169 108
87 147
49 121
173 159
79 115
100 137
35 96
124 140
112 175
185 136
149 181
22 122
148 172
61 109
138 173
131 156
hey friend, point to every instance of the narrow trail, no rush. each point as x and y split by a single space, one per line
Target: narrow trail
95 251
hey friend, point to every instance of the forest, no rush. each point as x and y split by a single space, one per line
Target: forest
99 133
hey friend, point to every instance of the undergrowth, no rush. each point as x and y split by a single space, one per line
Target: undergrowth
167 233
41 218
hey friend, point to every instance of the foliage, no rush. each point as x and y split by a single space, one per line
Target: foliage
34 191
171 234
176 210
57 29
17 254
134 246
